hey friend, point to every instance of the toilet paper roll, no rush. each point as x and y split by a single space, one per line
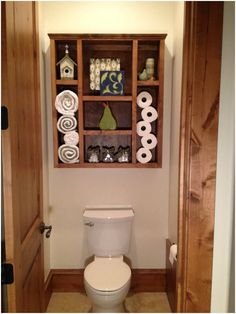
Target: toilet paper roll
144 99
143 128
173 253
149 114
143 155
149 141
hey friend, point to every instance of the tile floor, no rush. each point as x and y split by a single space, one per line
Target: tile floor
143 302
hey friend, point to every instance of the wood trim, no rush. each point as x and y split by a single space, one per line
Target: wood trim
47 291
170 278
134 98
53 97
8 72
160 101
71 280
80 97
198 154
108 36
148 280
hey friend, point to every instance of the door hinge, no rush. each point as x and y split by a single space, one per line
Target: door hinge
4 118
7 274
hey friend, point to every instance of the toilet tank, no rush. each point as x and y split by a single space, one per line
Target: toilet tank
108 229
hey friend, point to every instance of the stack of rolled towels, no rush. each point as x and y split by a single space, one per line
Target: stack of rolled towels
66 104
144 128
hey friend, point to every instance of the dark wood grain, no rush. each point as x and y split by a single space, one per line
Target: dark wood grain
198 154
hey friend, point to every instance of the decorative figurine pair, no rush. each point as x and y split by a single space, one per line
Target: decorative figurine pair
108 154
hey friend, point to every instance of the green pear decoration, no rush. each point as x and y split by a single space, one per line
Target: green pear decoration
107 121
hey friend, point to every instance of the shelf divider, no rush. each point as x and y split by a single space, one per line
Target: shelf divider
80 95
67 82
134 97
148 83
107 132
106 98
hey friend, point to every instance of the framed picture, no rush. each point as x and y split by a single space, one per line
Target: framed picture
111 83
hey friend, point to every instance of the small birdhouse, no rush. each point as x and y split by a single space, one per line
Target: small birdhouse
67 66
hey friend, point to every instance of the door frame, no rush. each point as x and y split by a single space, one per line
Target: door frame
11 215
188 297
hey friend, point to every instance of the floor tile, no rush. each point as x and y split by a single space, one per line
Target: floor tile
143 302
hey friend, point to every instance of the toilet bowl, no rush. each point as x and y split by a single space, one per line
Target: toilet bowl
107 282
107 278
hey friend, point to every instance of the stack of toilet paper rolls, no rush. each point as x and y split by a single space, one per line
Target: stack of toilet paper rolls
144 128
66 104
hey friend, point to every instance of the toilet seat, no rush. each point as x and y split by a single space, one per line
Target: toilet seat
107 273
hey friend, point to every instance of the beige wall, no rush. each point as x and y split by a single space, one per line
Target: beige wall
175 121
147 190
223 275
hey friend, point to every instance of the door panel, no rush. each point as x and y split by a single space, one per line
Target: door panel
31 288
22 155
198 154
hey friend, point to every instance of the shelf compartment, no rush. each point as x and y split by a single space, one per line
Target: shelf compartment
107 132
104 49
154 125
110 140
148 49
121 111
60 88
60 53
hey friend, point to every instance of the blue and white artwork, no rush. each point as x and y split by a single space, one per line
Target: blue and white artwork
111 83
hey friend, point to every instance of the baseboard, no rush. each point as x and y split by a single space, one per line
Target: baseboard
148 280
47 290
71 280
170 278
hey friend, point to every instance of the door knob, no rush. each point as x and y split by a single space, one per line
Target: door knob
43 228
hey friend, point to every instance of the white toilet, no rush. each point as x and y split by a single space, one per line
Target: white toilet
107 278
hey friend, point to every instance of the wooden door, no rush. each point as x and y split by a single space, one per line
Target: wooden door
21 155
198 154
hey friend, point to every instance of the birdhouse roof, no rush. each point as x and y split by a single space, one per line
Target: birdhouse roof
66 57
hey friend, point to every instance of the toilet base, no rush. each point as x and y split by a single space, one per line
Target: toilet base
117 309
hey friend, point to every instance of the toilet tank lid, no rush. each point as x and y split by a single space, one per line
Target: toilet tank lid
108 212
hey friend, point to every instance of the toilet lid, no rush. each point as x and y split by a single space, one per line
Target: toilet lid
107 274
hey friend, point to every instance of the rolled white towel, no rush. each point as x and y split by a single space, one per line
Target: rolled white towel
66 123
68 153
67 102
71 138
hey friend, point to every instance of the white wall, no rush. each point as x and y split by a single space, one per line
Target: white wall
147 190
225 171
175 120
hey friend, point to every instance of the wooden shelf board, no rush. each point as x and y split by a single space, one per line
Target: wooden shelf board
107 132
148 83
107 98
67 82
145 37
108 165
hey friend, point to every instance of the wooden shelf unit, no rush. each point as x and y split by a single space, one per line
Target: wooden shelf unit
132 50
